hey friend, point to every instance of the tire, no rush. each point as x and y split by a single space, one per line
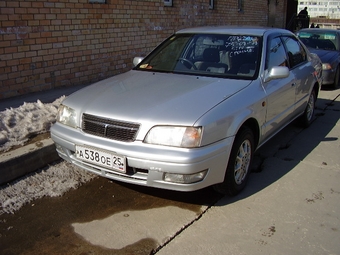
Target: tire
336 83
238 167
307 117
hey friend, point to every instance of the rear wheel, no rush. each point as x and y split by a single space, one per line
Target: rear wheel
238 167
336 83
307 117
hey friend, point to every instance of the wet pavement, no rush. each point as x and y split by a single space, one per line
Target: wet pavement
50 225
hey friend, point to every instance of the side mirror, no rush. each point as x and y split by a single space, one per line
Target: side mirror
277 72
137 60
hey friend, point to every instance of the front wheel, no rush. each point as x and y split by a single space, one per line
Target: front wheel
238 167
307 116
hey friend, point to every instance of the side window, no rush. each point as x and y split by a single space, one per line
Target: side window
296 53
276 54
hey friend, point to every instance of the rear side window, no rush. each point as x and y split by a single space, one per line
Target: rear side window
296 53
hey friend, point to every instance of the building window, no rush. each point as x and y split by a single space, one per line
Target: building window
168 2
97 1
211 4
240 5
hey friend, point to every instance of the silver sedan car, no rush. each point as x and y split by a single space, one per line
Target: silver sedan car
192 113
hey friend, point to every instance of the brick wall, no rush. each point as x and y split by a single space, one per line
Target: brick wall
48 44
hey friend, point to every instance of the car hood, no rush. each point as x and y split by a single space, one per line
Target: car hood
326 56
162 98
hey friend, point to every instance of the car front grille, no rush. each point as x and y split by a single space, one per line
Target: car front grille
112 129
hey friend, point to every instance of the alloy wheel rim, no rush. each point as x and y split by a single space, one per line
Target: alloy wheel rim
310 107
242 162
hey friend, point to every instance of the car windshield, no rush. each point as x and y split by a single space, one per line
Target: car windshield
319 39
226 56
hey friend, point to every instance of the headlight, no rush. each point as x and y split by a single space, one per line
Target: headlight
187 137
67 116
326 66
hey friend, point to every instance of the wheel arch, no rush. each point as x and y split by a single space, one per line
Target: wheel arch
236 175
316 89
253 125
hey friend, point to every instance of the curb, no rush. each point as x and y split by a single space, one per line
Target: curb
26 159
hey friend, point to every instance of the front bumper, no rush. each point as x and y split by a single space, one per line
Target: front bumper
147 164
328 77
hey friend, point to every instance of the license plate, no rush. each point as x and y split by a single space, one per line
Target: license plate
101 158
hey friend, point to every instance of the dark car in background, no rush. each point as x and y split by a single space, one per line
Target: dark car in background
326 44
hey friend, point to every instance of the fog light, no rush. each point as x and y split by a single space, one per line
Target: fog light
59 148
185 178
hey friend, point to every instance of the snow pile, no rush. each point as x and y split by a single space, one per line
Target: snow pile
52 182
17 125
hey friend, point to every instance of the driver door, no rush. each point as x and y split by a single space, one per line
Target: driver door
280 92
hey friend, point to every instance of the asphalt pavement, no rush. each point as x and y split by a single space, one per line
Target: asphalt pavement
292 207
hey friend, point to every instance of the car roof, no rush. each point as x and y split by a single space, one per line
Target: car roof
318 30
253 30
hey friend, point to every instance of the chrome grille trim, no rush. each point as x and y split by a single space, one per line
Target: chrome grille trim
109 128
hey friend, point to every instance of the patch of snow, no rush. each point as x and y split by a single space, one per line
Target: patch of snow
50 182
18 125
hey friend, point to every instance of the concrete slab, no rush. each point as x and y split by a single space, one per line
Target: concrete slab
297 213
291 207
26 159
157 224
